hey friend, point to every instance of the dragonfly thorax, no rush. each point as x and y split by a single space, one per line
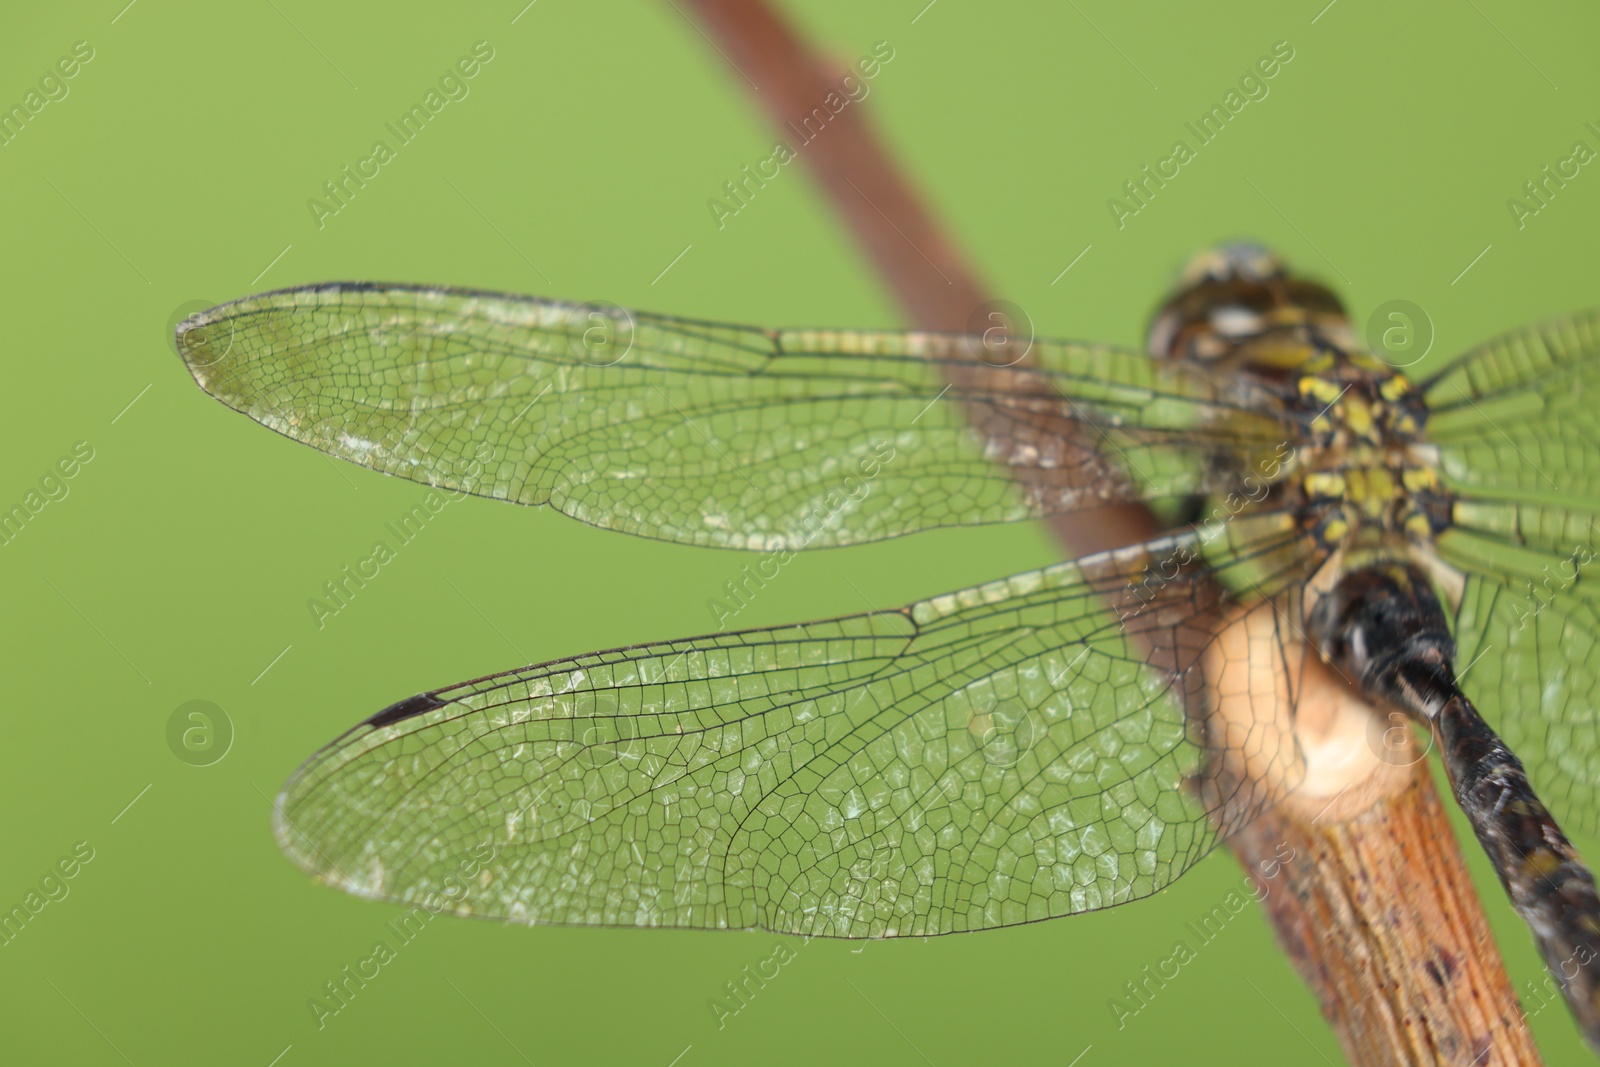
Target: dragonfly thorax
1361 470
1364 470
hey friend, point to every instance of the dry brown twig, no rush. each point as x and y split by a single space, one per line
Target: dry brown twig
1377 912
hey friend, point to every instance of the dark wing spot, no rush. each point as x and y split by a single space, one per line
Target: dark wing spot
405 709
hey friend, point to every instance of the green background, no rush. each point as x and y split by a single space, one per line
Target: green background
180 563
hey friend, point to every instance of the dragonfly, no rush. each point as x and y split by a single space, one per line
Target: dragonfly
1046 744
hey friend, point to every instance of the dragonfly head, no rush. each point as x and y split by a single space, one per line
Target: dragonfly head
1241 300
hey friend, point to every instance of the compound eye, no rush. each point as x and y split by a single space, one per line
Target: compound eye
1241 261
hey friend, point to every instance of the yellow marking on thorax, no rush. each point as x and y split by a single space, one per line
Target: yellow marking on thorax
1416 479
1395 388
1357 414
1370 488
1320 389
1322 485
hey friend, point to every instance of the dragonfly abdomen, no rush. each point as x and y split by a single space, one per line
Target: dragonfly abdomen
1383 627
1542 873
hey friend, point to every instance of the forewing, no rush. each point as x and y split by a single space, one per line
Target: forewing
1517 427
712 434
993 756
1529 658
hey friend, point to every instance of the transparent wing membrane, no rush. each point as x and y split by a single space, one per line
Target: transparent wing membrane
1003 754
1532 664
1517 427
711 434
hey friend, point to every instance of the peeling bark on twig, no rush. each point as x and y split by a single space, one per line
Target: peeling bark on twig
1377 913
1381 920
